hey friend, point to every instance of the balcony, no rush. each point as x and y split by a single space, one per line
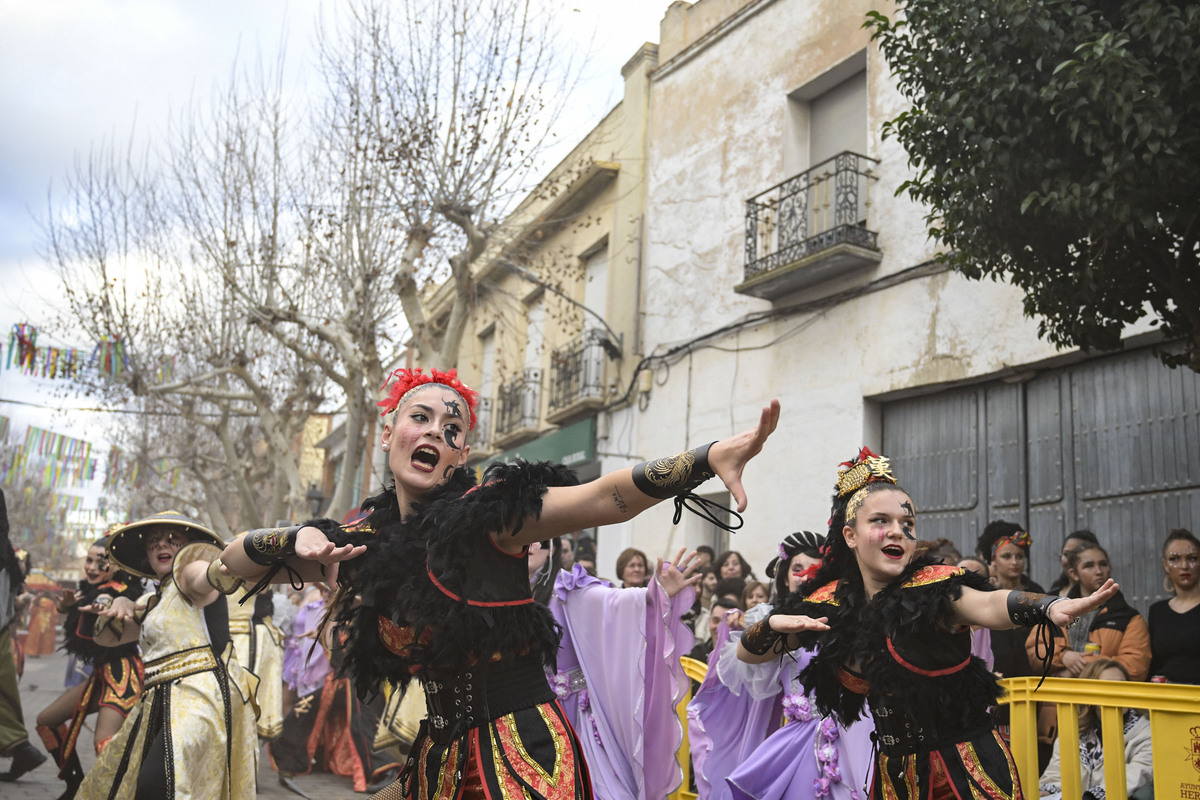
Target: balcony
811 228
577 377
482 435
516 414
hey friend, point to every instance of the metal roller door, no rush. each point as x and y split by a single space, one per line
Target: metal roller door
1112 445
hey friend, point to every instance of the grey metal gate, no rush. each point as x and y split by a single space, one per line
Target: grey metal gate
1112 445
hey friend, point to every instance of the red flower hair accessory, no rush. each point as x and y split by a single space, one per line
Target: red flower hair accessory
867 467
406 380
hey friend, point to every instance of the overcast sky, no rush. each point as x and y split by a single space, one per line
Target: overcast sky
76 72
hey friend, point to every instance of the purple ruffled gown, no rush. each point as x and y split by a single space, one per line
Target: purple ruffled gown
305 666
739 751
619 680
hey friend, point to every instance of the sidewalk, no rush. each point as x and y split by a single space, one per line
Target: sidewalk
43 682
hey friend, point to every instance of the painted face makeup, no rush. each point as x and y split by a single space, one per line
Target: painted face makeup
882 536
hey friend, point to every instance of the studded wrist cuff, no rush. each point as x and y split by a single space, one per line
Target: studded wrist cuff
1030 608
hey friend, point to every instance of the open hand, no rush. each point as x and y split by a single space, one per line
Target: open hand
312 545
673 577
795 623
1064 612
729 457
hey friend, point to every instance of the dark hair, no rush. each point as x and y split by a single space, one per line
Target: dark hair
996 530
1063 579
726 601
721 559
838 561
729 586
794 544
627 555
1073 556
1179 535
543 587
706 549
946 550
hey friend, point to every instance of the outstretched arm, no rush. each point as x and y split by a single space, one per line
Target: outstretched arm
622 495
1003 610
764 640
307 551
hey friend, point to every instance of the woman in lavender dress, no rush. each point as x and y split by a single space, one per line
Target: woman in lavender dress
748 722
619 677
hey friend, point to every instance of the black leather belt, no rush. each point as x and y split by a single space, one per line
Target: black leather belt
461 701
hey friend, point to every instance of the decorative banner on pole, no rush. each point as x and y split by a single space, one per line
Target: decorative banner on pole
109 357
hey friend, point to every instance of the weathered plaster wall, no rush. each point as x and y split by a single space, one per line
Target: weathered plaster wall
719 118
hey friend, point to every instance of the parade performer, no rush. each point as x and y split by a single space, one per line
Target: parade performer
753 732
896 630
114 680
192 733
619 677
259 647
327 720
439 567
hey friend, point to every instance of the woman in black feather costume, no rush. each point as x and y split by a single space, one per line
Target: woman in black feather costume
115 682
434 584
893 631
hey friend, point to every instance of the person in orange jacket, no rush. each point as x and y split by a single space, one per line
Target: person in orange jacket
1115 630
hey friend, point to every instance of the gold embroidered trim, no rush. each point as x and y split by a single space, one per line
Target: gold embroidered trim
179 665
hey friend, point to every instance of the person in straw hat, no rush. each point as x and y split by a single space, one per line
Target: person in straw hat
192 735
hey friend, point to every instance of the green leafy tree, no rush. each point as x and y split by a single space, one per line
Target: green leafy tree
1057 146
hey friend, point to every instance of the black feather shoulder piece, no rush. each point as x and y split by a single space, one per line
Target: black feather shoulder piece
437 595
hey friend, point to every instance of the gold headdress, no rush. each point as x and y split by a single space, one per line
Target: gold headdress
853 476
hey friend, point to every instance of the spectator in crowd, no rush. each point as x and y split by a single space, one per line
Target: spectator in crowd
1175 622
706 555
631 568
731 564
14 739
568 552
1062 585
975 564
755 592
585 554
945 549
1117 627
1138 755
1004 547
706 591
724 607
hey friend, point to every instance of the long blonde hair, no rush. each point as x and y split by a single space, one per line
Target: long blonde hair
1089 716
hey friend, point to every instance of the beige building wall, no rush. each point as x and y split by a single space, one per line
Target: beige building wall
733 101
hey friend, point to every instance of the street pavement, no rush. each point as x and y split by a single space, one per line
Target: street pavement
43 682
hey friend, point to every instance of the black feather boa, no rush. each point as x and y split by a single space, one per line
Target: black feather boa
915 617
446 530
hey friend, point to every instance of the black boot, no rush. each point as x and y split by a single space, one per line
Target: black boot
287 782
72 773
25 757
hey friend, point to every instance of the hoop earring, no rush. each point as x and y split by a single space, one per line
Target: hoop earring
1168 587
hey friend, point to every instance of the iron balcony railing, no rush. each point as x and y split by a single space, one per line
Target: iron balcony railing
810 212
483 424
577 370
517 402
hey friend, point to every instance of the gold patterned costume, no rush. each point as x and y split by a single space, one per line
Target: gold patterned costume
259 647
196 718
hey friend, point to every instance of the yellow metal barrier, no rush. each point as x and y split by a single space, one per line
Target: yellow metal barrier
1174 729
695 670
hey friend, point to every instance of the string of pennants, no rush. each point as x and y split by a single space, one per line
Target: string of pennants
109 357
132 472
